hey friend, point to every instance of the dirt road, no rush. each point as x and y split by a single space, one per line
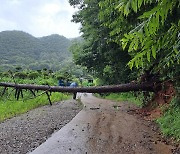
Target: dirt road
104 127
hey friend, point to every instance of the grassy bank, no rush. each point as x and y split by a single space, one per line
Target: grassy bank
170 121
10 107
124 97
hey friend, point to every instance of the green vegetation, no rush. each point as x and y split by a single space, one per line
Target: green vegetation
125 97
18 48
140 34
170 121
10 107
102 58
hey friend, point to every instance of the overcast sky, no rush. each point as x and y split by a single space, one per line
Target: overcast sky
38 17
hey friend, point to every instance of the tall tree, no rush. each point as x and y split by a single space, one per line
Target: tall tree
102 57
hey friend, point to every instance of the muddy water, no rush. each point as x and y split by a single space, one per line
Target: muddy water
104 127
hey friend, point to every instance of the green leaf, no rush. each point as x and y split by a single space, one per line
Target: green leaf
126 8
137 63
140 3
157 19
131 48
154 51
136 44
145 15
131 64
148 56
146 30
124 44
134 5
148 44
176 51
120 6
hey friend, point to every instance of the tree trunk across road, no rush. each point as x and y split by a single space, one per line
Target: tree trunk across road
100 89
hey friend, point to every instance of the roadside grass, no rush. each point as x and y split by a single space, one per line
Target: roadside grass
10 107
170 122
128 96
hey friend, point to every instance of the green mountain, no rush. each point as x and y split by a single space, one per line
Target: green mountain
18 48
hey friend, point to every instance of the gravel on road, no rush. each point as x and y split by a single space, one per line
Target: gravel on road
24 133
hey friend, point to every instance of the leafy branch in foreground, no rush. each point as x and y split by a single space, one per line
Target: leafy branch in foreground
153 31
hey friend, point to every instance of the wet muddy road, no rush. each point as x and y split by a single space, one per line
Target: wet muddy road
104 127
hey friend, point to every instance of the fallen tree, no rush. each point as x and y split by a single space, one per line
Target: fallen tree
146 86
99 89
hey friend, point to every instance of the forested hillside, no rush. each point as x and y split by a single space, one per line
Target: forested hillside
18 48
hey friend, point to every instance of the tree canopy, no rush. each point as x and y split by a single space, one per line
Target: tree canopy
143 34
104 58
